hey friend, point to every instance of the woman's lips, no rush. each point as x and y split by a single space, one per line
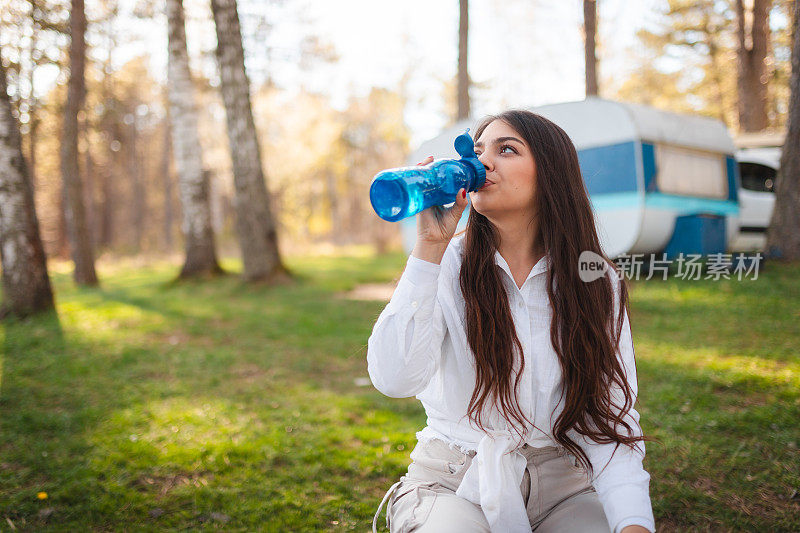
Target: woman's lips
486 184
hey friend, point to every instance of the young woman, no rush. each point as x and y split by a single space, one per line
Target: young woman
526 372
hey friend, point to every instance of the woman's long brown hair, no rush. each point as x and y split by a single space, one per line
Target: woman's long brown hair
584 332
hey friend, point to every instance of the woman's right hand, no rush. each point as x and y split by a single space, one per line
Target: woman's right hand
436 225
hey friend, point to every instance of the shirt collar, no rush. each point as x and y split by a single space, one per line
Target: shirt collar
543 265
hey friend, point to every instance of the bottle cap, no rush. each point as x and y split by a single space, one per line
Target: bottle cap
465 147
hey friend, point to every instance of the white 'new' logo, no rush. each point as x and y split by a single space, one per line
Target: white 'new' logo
591 266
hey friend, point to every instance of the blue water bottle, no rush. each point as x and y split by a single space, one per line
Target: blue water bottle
398 193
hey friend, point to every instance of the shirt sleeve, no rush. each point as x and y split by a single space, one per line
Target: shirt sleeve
635 521
405 347
621 482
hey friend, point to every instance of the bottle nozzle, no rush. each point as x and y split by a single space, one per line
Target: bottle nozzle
465 147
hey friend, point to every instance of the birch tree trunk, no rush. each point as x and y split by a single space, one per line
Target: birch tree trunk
26 285
753 35
463 63
590 37
193 186
75 211
783 233
258 237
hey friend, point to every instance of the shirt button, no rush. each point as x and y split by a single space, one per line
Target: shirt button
414 304
521 304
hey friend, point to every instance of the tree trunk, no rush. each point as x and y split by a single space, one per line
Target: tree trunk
783 237
107 205
32 138
110 128
201 258
463 64
753 34
138 202
88 192
62 248
590 35
26 285
166 182
80 242
32 106
716 76
333 205
258 237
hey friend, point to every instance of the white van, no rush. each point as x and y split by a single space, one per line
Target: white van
759 157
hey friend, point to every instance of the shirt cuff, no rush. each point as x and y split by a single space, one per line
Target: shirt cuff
636 521
416 289
421 272
626 501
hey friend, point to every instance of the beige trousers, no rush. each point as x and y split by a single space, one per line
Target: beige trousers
556 491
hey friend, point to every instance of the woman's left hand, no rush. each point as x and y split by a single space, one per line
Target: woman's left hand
635 529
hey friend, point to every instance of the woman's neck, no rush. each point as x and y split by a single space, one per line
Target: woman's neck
519 241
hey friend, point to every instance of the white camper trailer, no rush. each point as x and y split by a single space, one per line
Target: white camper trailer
658 181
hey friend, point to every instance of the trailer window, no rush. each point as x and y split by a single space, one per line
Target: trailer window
691 172
757 177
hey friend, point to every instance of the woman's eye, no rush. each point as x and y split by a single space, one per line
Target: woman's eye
507 146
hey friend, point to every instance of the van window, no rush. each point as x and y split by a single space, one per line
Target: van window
691 172
757 177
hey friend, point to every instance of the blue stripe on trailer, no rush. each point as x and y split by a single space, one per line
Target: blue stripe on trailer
657 200
733 177
609 169
649 164
622 200
691 204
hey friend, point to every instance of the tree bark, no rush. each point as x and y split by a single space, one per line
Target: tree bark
201 258
783 237
463 63
257 232
166 182
110 127
135 174
75 211
33 122
89 192
333 205
107 205
714 54
753 35
590 36
26 285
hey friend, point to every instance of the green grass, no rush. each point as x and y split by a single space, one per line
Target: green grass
146 405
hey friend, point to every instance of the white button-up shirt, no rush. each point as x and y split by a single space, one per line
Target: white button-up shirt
418 347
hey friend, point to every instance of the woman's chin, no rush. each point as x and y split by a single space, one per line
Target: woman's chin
497 208
483 206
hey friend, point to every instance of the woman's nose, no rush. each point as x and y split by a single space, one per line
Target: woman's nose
483 158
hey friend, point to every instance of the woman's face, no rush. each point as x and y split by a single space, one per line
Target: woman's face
510 173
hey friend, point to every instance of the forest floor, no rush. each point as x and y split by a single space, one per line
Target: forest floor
206 405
